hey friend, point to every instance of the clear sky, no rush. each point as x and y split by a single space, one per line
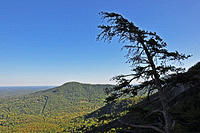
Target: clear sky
50 42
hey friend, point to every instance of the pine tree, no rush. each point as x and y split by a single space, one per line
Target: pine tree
150 62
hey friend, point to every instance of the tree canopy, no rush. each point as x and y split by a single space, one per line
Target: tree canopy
151 63
147 54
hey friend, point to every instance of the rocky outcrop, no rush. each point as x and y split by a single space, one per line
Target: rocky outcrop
188 82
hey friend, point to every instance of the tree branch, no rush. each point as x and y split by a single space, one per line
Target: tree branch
138 126
143 126
157 110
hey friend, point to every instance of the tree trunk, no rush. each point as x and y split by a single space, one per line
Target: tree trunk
165 108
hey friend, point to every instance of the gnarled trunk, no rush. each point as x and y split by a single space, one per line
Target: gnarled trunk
162 96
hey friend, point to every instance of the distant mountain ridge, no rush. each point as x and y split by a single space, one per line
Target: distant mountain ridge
20 90
50 110
69 97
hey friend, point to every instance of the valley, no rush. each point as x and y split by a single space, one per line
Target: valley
50 109
77 107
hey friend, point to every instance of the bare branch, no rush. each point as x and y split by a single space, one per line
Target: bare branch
155 111
143 126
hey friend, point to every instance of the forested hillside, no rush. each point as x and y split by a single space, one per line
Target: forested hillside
76 107
52 107
121 116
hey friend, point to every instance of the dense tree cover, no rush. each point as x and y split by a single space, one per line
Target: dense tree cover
151 64
51 109
18 114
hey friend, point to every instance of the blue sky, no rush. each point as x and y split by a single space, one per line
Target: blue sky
50 42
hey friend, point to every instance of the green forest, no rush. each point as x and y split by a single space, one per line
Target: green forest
99 66
77 107
50 110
